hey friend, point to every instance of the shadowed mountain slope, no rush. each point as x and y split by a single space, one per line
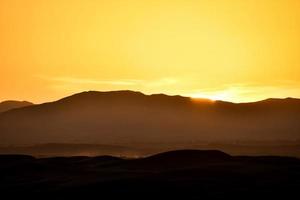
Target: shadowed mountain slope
132 117
8 105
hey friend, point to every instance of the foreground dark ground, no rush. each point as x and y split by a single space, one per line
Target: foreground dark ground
184 174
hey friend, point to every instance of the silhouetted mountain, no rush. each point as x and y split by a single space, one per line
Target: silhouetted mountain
127 117
181 174
8 105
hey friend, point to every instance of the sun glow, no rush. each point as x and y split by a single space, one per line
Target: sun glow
215 96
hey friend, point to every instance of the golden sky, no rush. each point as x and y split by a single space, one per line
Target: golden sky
234 50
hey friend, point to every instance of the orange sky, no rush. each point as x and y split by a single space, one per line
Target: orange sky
221 49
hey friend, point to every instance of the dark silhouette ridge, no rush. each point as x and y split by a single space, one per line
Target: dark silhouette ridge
185 156
181 159
192 155
190 174
129 118
8 105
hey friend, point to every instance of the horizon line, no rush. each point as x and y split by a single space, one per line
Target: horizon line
150 94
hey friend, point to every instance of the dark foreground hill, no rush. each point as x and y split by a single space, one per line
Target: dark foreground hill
126 117
182 174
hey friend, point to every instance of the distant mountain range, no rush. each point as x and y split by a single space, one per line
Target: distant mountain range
127 117
8 105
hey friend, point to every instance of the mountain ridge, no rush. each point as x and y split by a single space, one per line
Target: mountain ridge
140 94
129 116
